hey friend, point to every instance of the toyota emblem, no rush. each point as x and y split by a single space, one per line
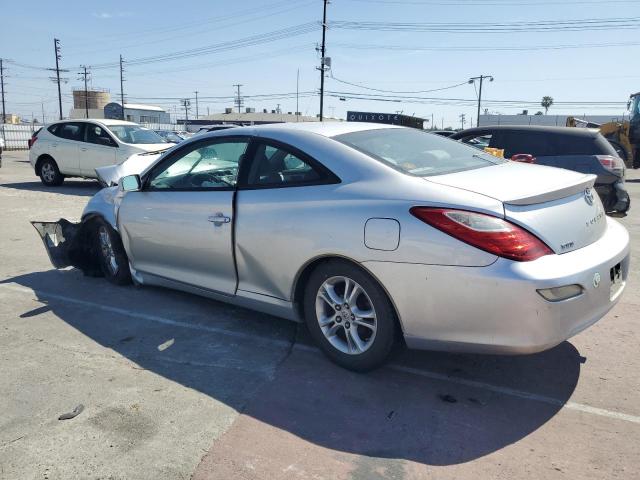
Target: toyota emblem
588 196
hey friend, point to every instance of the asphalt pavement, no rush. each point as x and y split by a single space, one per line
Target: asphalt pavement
173 386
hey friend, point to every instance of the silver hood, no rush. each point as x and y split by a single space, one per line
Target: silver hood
134 165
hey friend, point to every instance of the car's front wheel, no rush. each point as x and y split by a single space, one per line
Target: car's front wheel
111 254
349 315
50 174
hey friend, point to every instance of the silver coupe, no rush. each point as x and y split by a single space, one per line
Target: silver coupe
368 233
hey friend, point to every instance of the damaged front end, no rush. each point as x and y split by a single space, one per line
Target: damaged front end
70 245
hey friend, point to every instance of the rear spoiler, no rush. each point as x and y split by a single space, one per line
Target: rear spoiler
580 185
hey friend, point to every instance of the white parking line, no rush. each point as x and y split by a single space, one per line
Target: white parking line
148 316
518 393
282 343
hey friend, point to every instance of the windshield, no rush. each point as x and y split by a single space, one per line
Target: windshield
136 134
416 152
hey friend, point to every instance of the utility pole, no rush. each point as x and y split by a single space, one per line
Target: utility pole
322 57
297 96
122 85
4 113
196 92
56 46
85 74
186 103
481 78
43 119
433 127
463 118
238 97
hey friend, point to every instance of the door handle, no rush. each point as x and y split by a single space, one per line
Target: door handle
218 219
83 149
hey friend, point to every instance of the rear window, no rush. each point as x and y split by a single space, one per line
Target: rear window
541 144
416 152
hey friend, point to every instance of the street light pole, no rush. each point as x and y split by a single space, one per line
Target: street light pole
481 78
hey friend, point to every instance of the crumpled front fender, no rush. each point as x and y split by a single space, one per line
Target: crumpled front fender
70 245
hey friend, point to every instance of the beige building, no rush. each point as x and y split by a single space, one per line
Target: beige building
11 118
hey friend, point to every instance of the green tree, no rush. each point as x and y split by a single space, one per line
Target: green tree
546 103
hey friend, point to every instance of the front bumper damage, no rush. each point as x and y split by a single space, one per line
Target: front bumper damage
70 244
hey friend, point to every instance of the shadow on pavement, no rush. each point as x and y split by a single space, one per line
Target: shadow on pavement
388 413
86 188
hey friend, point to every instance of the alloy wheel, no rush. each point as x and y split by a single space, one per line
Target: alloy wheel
346 315
48 172
106 248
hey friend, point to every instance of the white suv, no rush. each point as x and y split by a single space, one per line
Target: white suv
75 148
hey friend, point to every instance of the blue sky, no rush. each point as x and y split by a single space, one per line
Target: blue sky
95 33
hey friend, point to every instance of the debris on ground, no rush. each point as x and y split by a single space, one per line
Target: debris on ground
73 414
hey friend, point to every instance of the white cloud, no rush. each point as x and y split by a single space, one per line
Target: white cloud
109 15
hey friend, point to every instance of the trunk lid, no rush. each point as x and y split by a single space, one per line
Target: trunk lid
558 206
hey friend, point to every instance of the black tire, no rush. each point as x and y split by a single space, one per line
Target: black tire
50 174
112 257
379 345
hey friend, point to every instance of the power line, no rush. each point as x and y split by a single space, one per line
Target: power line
224 46
483 3
586 24
488 48
394 91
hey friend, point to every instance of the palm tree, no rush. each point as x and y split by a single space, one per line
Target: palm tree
546 103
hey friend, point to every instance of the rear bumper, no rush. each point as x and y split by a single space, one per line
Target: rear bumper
497 309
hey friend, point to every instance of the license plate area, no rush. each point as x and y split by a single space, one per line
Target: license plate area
615 274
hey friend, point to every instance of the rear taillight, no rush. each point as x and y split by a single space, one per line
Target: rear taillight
32 140
485 232
612 163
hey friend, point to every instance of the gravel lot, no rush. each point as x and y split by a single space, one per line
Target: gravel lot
175 386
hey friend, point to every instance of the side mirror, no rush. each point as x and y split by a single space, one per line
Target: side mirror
131 183
523 158
106 141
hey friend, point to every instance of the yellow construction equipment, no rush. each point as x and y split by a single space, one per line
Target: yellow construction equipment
624 136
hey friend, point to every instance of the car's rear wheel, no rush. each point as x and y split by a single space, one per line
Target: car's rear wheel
111 254
349 316
50 174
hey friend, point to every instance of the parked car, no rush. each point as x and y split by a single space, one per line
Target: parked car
214 128
366 232
581 150
171 137
443 133
75 148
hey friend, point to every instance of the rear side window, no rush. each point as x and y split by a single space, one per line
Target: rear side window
71 131
538 144
278 167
